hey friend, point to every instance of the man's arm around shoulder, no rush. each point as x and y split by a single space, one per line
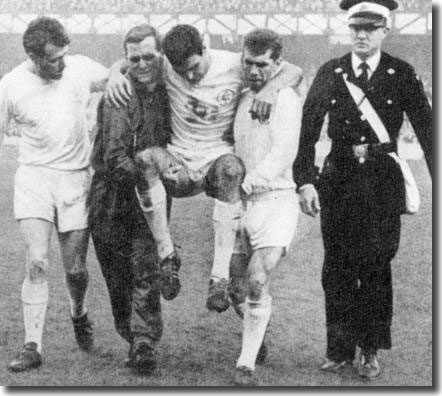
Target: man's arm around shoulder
289 75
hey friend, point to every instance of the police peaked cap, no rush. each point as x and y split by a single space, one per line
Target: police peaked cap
369 12
390 4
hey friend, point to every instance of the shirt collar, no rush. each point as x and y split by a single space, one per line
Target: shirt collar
372 62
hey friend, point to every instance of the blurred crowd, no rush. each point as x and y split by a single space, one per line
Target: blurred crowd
187 6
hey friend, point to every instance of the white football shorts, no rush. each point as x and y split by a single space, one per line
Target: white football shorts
269 220
54 195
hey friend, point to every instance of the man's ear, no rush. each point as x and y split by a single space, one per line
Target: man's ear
278 62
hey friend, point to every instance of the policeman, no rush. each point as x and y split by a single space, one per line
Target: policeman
360 191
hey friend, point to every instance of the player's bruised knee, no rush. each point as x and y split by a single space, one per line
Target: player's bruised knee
77 280
225 177
256 286
37 269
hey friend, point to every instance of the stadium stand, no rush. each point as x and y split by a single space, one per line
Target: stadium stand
187 6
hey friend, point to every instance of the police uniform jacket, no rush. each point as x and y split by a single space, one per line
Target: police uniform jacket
394 88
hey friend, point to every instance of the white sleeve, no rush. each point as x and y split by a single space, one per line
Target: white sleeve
5 108
95 73
285 127
237 63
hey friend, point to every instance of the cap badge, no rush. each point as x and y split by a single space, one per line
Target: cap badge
391 71
338 70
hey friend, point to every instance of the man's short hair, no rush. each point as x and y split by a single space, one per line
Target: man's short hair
260 40
181 42
42 31
138 33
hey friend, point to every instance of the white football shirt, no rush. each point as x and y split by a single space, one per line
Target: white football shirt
51 117
202 114
269 149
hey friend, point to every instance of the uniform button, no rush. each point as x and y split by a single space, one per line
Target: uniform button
347 122
361 160
363 118
333 101
363 139
389 101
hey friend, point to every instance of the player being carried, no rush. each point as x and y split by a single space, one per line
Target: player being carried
204 86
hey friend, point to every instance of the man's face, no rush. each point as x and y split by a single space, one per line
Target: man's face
50 66
366 39
258 68
194 69
144 61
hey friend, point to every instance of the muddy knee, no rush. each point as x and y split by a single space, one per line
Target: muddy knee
256 285
225 178
149 162
37 270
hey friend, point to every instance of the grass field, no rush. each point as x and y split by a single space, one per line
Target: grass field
200 348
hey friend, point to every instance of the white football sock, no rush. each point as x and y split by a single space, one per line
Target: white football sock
226 218
256 318
156 218
35 301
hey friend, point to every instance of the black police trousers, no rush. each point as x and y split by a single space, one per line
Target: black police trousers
360 224
127 255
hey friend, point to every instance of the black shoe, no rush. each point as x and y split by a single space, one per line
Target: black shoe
84 332
369 367
218 299
27 359
141 358
263 354
170 281
245 376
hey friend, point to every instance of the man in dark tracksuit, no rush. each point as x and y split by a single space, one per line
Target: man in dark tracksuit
361 188
123 242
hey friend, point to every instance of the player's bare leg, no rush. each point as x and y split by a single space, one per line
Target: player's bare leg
34 293
153 163
257 311
73 246
224 180
238 289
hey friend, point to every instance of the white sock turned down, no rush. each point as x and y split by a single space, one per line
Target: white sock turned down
256 318
35 301
226 219
156 218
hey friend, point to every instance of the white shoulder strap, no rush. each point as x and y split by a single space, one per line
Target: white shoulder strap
368 111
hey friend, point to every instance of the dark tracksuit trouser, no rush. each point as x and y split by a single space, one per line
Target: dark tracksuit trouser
360 223
127 255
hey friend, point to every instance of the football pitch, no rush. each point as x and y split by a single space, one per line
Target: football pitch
200 348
